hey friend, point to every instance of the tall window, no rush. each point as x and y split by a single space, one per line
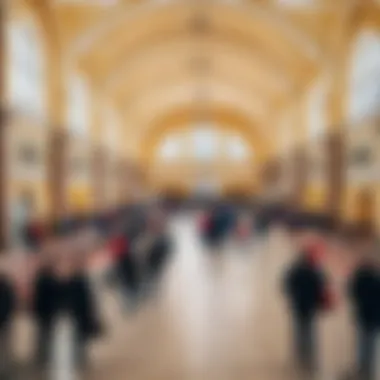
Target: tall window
364 100
26 69
78 105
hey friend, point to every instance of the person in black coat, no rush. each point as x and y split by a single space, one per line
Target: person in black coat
44 307
127 270
304 287
218 226
364 291
7 311
158 255
75 300
158 251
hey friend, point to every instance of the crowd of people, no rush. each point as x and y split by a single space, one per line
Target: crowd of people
310 294
307 285
51 281
54 281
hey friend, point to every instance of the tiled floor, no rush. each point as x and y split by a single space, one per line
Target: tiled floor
218 316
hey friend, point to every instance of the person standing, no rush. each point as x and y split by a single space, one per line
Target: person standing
76 304
305 288
44 306
158 252
364 292
7 311
125 269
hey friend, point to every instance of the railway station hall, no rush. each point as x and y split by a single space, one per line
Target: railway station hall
189 189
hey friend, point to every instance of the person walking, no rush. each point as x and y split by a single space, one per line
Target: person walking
305 288
44 305
7 311
364 292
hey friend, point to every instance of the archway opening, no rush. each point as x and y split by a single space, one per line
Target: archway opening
204 159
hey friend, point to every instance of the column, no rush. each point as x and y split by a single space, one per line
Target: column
300 165
122 180
98 153
57 171
335 142
58 136
3 123
99 176
270 174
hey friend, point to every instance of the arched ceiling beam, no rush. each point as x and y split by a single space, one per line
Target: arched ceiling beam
169 68
190 92
174 23
252 14
143 112
103 64
182 54
157 85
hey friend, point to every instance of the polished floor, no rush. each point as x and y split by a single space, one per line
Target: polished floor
217 316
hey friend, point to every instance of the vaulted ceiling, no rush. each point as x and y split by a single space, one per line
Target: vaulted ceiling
157 57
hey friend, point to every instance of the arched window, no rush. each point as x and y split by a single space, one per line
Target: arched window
205 143
364 99
26 68
78 105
